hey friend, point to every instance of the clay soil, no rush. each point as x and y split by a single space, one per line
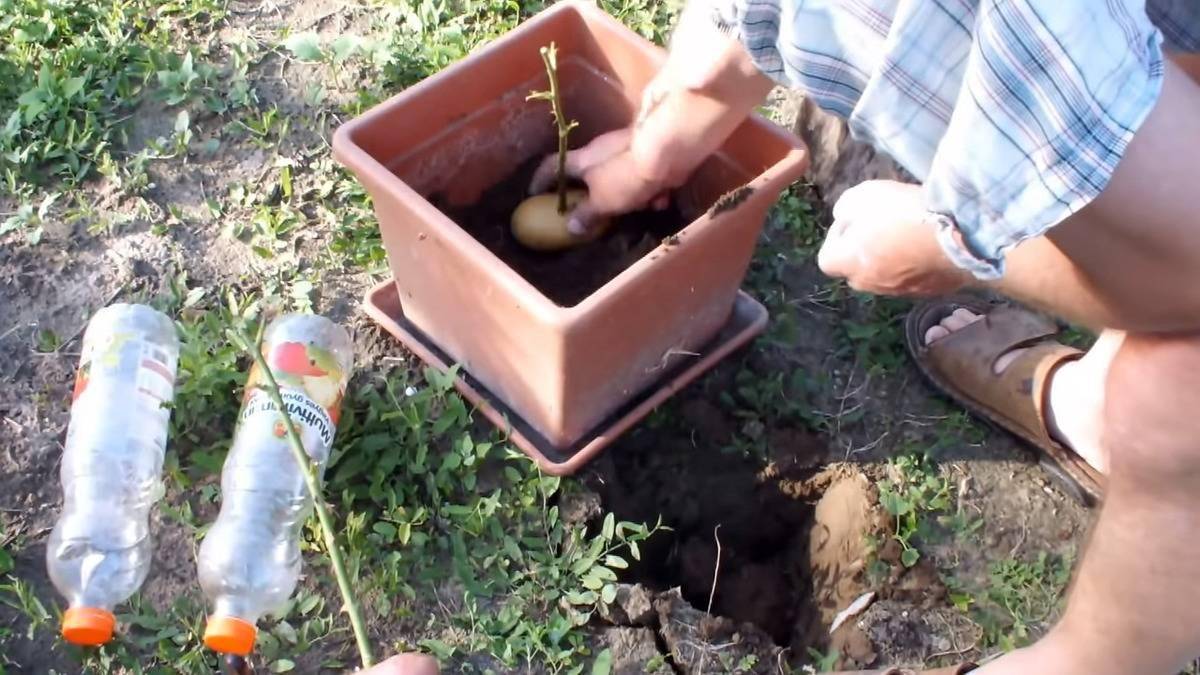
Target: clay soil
566 277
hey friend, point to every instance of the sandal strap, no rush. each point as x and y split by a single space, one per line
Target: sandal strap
971 354
962 364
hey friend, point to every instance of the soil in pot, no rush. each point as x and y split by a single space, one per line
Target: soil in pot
565 277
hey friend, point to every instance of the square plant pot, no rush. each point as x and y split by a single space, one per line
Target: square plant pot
562 369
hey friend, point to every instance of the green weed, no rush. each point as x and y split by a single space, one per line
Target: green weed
1022 599
913 492
71 72
441 508
19 595
769 401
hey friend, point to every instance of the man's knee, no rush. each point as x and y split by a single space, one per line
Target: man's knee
1152 411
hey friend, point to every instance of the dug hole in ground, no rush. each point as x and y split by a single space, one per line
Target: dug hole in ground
758 561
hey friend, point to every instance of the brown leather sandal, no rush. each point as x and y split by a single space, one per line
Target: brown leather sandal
961 366
953 670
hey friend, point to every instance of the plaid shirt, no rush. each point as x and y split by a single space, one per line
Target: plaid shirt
1013 113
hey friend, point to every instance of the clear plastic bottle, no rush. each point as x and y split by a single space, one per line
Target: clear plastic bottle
250 560
99 551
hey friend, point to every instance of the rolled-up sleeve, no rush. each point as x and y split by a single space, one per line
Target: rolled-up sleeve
813 45
1052 94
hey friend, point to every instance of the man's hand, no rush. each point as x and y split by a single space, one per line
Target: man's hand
881 242
616 182
404 664
706 88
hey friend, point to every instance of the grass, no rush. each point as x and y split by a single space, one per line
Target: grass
454 539
1017 602
70 74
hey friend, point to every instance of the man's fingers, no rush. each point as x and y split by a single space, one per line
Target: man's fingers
843 206
583 218
405 664
546 175
837 257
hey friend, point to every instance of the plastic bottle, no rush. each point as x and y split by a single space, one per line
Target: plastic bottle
99 551
250 560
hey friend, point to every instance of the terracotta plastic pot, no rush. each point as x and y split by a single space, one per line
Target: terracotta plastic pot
562 369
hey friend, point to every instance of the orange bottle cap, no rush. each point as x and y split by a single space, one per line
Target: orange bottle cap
230 635
87 626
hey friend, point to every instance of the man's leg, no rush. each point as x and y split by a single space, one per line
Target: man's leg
1131 259
1134 606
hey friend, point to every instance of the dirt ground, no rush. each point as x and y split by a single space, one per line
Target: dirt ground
765 547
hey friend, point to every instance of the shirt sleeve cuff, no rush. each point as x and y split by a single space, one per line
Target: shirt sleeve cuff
956 250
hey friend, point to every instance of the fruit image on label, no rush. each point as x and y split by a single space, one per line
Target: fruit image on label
308 368
81 380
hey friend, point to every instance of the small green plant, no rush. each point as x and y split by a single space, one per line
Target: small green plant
181 78
914 490
29 219
19 595
1022 599
561 123
822 663
876 332
798 219
768 401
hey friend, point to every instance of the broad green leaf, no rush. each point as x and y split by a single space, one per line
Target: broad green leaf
344 47
305 46
603 664
610 524
910 557
72 85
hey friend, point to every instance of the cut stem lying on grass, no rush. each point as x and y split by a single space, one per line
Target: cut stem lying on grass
314 488
564 126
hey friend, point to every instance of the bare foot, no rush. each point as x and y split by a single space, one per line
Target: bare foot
1076 396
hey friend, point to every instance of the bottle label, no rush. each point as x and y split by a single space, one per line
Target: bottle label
311 384
310 419
121 355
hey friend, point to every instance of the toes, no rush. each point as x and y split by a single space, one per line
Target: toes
935 333
956 320
959 319
1006 360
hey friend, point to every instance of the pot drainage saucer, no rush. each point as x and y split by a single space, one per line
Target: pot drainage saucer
748 320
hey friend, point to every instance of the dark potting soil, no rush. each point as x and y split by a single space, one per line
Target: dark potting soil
566 277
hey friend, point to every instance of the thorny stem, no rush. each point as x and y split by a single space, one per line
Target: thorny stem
314 489
554 96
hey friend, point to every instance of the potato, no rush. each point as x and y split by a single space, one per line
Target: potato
538 225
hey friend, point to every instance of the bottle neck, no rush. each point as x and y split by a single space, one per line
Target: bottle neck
239 607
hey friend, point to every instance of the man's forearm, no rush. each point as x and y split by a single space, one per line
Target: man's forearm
1129 259
706 89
